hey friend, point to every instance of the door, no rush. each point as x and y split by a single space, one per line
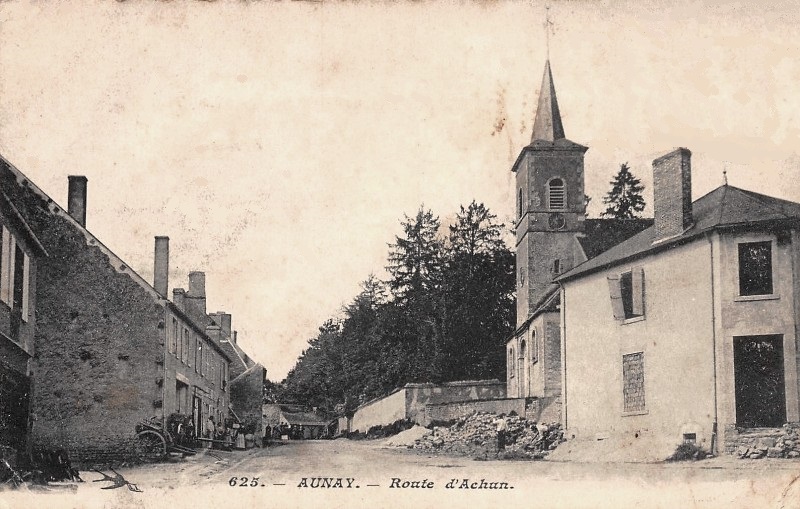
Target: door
759 380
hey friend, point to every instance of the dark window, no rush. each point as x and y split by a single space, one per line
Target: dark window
755 268
519 205
627 294
556 266
633 382
19 277
556 194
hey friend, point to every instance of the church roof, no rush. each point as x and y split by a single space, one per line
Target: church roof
724 207
602 234
547 126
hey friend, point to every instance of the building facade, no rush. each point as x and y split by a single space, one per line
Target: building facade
686 331
103 341
19 253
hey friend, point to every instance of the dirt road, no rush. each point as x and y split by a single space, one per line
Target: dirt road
351 474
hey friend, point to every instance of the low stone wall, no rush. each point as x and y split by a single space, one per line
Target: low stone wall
756 443
458 409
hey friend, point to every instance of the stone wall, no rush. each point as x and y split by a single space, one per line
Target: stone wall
99 338
456 410
763 442
246 393
380 411
420 395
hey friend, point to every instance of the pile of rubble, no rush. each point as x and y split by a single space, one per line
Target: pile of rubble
476 436
785 444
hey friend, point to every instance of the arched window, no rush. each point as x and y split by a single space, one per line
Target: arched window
519 204
556 195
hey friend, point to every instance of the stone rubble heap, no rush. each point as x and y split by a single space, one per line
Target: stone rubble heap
785 444
476 436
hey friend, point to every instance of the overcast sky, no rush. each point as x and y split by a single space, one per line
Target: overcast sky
278 144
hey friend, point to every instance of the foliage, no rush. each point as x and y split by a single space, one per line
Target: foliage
443 315
688 451
624 200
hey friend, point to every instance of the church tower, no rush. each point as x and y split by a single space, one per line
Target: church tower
550 203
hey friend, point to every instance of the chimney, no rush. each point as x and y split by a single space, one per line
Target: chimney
197 290
76 198
223 319
672 193
234 336
161 266
178 295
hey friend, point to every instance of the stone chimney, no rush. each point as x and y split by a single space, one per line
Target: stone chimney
76 198
161 266
223 319
197 290
672 193
178 296
234 336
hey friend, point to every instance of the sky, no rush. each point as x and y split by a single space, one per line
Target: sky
279 144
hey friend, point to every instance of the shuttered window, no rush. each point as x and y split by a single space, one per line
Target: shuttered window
627 294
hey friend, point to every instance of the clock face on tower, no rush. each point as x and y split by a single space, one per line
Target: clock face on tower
556 221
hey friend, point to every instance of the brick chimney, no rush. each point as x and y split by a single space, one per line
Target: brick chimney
76 198
197 290
161 266
672 193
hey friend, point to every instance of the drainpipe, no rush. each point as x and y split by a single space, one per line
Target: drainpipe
563 319
714 445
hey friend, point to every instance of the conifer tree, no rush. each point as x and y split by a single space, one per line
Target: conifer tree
624 200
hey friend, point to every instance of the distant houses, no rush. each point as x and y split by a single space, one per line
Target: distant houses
91 347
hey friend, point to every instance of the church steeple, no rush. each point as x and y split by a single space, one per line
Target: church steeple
547 125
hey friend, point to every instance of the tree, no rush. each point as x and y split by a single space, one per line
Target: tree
624 200
415 259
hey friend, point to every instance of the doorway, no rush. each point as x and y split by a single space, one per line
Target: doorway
759 380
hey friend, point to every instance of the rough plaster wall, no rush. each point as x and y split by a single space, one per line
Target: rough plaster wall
246 396
99 357
383 411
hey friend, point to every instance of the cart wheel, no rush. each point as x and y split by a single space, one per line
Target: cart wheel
151 446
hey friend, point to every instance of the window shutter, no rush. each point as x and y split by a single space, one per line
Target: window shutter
616 297
26 267
637 278
5 283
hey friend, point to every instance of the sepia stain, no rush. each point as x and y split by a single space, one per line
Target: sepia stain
241 78
502 117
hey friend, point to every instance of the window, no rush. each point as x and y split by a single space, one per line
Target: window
627 294
174 338
190 344
511 363
178 348
556 197
633 382
755 268
14 274
556 266
198 359
185 350
519 204
534 347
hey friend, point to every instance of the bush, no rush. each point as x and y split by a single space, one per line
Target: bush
689 452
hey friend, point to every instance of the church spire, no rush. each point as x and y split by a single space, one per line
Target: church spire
547 125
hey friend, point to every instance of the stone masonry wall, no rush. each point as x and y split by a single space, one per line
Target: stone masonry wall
759 443
456 410
99 358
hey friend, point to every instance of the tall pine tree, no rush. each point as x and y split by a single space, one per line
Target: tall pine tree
624 200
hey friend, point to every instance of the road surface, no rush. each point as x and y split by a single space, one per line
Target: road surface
349 474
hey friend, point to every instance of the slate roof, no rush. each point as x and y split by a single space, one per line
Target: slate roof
724 207
603 234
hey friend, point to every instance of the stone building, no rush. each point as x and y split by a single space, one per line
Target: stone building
687 331
109 349
552 236
20 251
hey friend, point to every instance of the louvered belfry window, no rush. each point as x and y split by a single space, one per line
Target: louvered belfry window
556 195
